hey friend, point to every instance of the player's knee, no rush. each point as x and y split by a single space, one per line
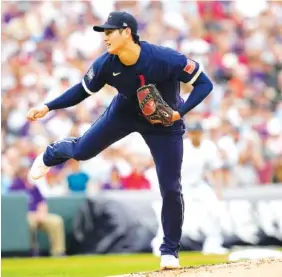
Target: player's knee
169 183
171 189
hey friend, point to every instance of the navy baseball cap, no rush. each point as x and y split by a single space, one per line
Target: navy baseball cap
194 126
118 20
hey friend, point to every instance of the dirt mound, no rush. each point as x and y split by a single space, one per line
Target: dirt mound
258 268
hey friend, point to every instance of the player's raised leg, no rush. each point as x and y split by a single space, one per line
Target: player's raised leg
108 129
167 151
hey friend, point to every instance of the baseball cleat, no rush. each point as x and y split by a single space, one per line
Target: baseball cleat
38 168
169 262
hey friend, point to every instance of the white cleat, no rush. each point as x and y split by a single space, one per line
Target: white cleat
169 262
38 168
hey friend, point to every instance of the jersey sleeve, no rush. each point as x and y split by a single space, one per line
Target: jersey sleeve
190 72
94 79
184 69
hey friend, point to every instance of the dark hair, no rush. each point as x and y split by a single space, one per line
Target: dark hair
135 37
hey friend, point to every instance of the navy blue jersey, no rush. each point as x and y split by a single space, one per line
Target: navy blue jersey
161 66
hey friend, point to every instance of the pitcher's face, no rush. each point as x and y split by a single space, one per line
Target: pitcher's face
116 39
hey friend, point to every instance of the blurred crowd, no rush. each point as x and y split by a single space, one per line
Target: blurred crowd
47 46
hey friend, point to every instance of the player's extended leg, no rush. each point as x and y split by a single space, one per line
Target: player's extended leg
109 128
167 151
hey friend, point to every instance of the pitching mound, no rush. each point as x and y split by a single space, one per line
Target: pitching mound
258 268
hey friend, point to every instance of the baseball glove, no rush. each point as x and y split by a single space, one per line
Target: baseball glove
153 106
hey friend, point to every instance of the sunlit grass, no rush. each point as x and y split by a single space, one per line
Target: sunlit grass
95 266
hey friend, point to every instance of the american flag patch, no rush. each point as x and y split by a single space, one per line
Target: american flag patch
190 66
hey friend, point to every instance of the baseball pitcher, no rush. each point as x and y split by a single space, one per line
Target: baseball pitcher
147 78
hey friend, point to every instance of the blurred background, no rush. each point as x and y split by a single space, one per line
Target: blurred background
48 46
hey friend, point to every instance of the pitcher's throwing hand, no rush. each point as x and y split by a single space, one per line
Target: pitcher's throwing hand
37 112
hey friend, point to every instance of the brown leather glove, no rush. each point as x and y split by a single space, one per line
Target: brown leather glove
153 106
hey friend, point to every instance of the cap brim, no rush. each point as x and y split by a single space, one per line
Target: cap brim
190 127
102 28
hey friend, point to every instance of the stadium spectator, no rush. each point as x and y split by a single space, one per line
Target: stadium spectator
77 179
114 182
38 217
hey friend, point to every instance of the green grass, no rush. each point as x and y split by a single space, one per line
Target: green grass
95 266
